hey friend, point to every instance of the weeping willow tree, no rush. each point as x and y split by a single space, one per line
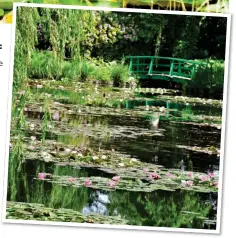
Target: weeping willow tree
65 27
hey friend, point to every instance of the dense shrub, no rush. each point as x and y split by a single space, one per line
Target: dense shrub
208 79
45 65
119 73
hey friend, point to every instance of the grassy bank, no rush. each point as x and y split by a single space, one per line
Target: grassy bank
45 65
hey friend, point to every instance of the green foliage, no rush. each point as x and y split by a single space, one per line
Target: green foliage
208 77
102 74
44 65
185 46
88 69
119 73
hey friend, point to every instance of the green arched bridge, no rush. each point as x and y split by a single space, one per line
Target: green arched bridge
162 68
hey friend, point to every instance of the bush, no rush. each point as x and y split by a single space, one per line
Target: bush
103 74
119 73
71 70
87 69
45 65
208 79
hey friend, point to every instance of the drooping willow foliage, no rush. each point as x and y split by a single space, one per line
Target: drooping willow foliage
65 28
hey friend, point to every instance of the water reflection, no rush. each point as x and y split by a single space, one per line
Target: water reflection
129 132
160 208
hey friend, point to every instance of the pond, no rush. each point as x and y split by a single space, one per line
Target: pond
136 171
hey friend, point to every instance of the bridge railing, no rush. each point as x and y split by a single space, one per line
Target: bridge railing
162 66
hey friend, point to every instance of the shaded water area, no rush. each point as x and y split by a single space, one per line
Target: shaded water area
187 138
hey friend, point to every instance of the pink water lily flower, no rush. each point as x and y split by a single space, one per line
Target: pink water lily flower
216 184
211 175
111 184
116 178
154 176
190 174
170 175
204 178
87 182
42 175
71 180
189 183
145 170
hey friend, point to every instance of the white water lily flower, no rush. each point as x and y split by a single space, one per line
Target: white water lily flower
95 157
162 109
134 160
49 126
104 157
31 147
184 182
47 157
31 127
74 152
67 150
80 155
44 154
33 138
121 164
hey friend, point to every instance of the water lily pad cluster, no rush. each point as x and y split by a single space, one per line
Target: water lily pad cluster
148 181
53 151
193 100
112 162
34 211
213 125
209 150
95 130
69 110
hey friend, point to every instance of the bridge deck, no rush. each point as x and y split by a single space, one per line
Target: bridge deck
162 68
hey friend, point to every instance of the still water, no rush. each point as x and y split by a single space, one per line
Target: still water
134 136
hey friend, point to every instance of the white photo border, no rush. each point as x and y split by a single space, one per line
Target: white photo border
224 112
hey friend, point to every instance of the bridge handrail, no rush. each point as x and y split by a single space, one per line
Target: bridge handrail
166 58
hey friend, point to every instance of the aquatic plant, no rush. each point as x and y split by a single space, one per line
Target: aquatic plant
152 182
34 211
